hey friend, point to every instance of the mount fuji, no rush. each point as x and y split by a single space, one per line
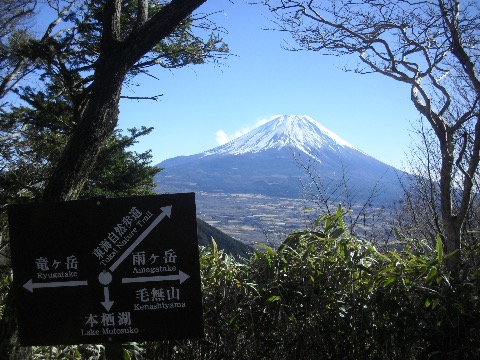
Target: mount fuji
275 160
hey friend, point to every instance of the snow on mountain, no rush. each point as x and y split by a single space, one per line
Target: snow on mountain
286 131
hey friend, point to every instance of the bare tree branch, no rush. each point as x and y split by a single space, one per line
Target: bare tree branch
430 45
154 98
142 12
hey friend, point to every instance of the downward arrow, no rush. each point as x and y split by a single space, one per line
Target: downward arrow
181 276
107 304
166 211
30 285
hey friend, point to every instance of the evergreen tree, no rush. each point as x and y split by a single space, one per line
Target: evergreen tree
59 142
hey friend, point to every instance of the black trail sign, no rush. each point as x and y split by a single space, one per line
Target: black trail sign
107 270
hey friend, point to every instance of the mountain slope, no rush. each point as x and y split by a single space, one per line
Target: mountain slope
224 242
269 161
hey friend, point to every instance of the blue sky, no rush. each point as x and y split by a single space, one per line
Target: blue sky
261 80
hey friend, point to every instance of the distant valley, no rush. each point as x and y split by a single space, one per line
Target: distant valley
252 218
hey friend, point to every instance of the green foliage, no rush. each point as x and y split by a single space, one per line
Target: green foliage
195 41
41 131
120 172
325 294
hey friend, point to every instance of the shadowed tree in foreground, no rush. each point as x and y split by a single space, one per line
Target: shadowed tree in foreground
104 45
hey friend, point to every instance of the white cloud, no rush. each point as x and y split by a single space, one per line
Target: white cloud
222 137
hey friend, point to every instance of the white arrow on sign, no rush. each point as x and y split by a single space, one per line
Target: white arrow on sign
30 285
181 276
166 211
107 304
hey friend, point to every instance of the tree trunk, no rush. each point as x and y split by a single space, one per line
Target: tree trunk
452 241
97 124
452 223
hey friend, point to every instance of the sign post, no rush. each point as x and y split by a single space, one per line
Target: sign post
107 270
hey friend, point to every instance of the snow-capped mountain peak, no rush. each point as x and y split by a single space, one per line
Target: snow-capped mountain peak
291 131
269 161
